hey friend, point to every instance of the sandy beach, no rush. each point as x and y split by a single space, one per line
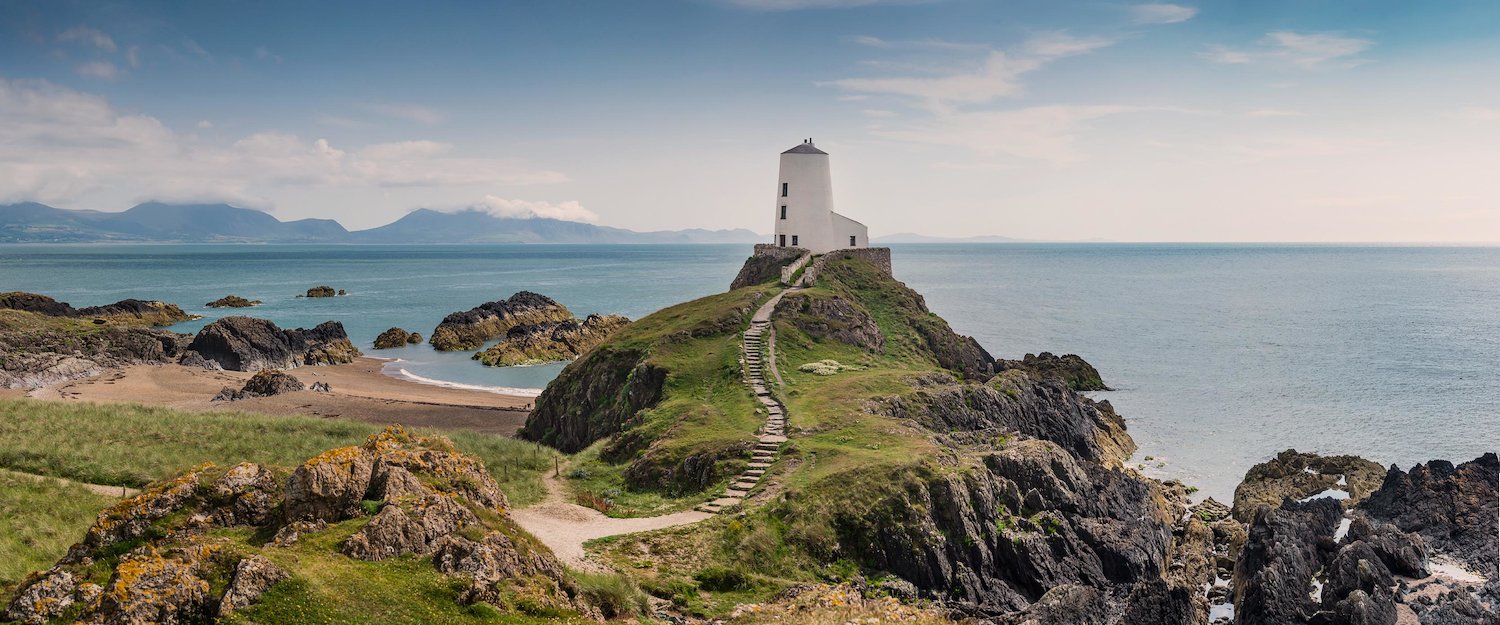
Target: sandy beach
359 390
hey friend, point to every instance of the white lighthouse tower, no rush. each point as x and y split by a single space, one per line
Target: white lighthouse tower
804 205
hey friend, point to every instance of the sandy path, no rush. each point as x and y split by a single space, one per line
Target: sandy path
565 526
359 391
100 489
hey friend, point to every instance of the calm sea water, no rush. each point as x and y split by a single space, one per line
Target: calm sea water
1221 354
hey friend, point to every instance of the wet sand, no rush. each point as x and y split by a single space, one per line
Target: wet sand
358 391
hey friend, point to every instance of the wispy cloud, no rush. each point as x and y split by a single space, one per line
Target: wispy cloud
104 70
927 44
263 53
1306 50
1161 13
88 36
524 209
1058 44
1273 113
1043 133
409 112
196 50
133 56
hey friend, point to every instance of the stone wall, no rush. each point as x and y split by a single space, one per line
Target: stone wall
765 264
878 256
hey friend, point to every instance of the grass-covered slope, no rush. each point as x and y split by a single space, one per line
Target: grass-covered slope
38 520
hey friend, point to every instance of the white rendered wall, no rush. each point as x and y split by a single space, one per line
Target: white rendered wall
843 227
809 202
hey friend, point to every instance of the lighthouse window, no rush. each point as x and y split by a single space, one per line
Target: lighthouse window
783 189
851 241
794 240
783 212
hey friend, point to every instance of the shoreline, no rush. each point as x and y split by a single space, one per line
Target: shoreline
361 390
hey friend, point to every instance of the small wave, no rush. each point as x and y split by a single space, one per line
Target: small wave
499 390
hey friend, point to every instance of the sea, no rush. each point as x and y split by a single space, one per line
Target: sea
1220 355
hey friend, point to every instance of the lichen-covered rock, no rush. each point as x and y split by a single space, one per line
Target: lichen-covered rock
1072 369
396 337
249 344
253 576
593 398
550 342
132 518
247 494
470 329
42 598
1295 475
233 301
330 486
321 291
409 526
152 589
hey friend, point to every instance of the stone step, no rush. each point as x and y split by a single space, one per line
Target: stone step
709 508
743 485
726 501
735 494
759 464
755 472
772 440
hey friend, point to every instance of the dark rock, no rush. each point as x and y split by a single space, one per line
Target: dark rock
396 337
472 328
414 338
1273 573
253 576
550 342
321 387
1294 475
126 311
1453 508
37 350
249 344
321 291
594 397
196 360
1073 370
1356 568
233 301
1402 553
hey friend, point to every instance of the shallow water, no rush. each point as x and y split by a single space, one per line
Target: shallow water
1222 354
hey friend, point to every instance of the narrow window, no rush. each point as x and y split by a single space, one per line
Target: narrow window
794 240
783 189
783 212
783 240
851 240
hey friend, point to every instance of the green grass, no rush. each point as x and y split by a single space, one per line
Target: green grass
39 520
132 445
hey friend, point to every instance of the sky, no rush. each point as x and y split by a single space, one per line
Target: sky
1263 120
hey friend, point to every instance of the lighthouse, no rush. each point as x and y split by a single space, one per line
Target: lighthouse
804 205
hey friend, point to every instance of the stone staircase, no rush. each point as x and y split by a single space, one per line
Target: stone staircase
772 434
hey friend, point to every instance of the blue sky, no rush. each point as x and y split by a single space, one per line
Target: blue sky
1222 121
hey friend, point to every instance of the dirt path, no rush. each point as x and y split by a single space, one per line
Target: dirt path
99 489
564 526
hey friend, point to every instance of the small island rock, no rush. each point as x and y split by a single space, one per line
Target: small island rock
471 328
233 301
396 337
550 342
321 291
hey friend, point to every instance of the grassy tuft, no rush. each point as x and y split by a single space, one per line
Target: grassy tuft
39 520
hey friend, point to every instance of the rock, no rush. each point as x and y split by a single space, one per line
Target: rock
330 486
408 527
1453 508
253 576
342 293
1402 553
832 317
1294 475
593 397
1360 608
550 342
264 383
396 337
291 532
196 360
321 291
133 518
233 301
126 311
472 328
765 265
1273 573
1073 370
247 495
37 350
321 387
151 589
249 344
42 598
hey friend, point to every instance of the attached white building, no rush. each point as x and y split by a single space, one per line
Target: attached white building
804 205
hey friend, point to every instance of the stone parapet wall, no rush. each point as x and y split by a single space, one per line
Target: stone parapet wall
766 263
878 256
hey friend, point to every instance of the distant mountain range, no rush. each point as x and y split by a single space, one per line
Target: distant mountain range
31 222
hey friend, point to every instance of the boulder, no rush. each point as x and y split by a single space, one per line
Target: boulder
233 301
1272 578
472 328
253 576
330 486
250 344
150 588
1295 475
1071 369
264 383
247 494
396 337
42 598
550 342
321 291
408 527
1453 508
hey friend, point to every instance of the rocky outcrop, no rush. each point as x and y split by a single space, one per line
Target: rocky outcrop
396 337
264 383
164 557
249 344
550 342
38 350
1071 369
1295 475
1453 508
836 317
765 265
322 291
1274 573
594 397
233 301
472 328
125 312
